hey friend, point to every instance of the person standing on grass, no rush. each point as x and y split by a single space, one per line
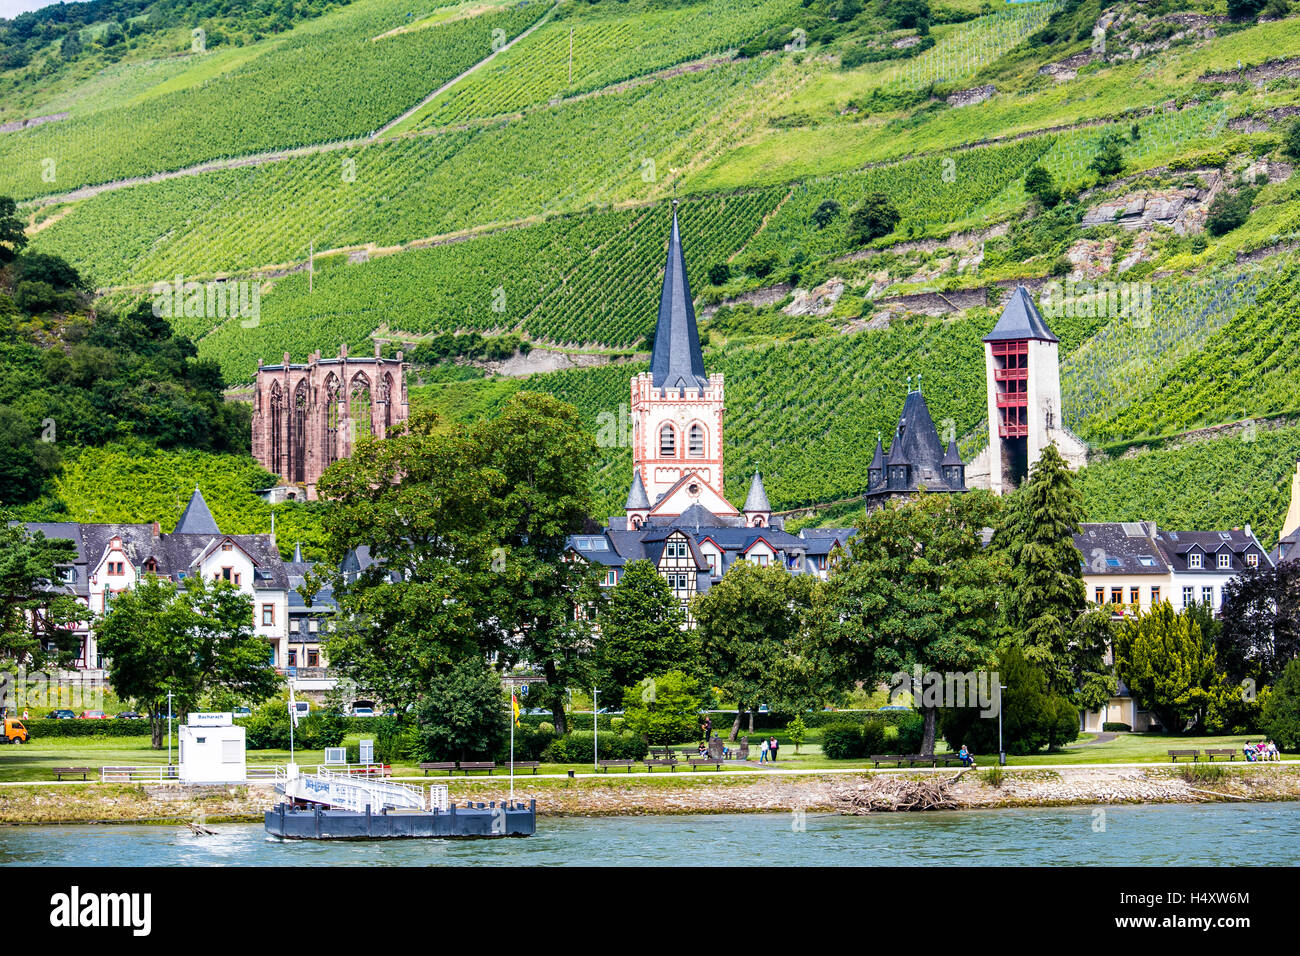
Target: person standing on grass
772 747
762 751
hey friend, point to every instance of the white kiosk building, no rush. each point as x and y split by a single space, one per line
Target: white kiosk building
213 750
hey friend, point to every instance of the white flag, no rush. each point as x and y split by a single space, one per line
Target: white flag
293 709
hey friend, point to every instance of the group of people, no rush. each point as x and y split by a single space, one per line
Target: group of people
767 749
1264 750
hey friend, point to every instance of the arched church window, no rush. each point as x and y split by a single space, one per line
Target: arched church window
696 441
359 406
298 452
667 442
331 419
277 422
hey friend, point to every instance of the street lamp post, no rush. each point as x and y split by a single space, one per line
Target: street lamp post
1002 754
169 733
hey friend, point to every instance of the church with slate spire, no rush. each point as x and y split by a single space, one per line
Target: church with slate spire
916 459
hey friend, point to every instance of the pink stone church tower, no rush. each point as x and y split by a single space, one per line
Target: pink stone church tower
677 410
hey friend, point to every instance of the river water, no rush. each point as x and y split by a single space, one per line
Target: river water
1213 834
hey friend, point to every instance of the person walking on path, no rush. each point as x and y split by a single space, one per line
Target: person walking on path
772 748
762 751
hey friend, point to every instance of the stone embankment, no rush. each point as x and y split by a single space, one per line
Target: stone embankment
751 792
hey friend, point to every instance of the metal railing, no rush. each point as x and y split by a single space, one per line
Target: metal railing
157 773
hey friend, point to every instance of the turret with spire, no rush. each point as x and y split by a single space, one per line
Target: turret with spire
757 510
196 518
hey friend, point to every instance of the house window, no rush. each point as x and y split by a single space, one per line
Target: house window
1133 596
268 615
1194 561
1116 595
293 658
821 562
1100 595
313 658
696 441
236 578
611 578
227 546
1155 595
1252 560
713 564
227 573
1189 596
116 567
667 442
1207 596
760 560
1225 562
313 625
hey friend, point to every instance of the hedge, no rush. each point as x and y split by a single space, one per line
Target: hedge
1112 726
888 732
577 747
44 727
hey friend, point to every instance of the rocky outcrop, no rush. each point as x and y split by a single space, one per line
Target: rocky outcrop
34 121
818 301
972 96
1182 209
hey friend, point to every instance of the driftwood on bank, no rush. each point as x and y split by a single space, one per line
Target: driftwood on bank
891 793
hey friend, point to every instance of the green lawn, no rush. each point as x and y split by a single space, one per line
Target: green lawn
36 760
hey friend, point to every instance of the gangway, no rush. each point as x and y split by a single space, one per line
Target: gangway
349 792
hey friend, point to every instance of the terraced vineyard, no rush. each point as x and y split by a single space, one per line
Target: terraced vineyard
326 84
394 191
605 49
1127 361
966 48
573 280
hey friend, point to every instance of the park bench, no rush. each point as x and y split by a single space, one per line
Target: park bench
525 765
606 764
878 759
447 765
61 772
468 765
1228 752
1175 754
652 762
704 762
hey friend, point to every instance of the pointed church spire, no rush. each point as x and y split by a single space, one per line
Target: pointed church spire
953 456
1020 320
197 519
757 499
878 459
637 499
677 361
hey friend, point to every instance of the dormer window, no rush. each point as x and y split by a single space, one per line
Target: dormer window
1194 561
1225 562
227 546
1252 560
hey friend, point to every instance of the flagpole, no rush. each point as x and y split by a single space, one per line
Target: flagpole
514 719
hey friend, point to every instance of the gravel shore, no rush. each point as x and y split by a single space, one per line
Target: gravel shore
747 793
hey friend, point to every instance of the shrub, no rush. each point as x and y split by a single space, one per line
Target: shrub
1281 717
719 273
579 747
463 715
1228 211
1291 140
875 217
874 738
843 742
663 709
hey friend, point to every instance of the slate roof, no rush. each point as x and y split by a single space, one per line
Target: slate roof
637 499
677 361
196 518
1125 548
1020 320
1177 545
916 444
756 500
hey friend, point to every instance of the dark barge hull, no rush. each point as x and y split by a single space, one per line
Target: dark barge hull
474 820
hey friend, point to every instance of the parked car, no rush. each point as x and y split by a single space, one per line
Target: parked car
363 711
15 732
130 715
242 712
93 715
60 715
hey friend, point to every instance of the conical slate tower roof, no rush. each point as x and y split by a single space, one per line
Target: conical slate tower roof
1020 320
197 519
677 361
878 459
917 441
757 498
637 499
953 457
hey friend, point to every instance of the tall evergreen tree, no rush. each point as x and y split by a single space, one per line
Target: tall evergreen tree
1046 611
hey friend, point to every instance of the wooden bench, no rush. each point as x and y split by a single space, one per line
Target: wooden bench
1228 752
878 759
468 765
606 764
705 762
1175 754
525 765
652 762
61 772
447 765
